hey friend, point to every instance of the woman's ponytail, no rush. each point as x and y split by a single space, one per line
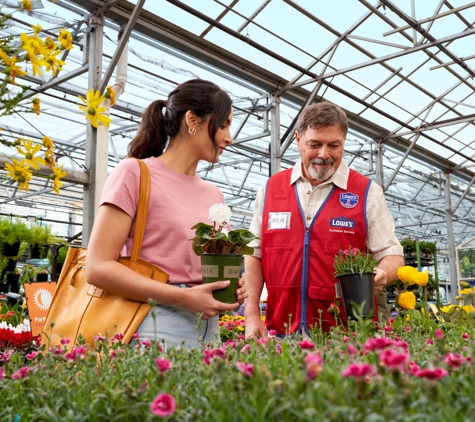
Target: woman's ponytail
152 136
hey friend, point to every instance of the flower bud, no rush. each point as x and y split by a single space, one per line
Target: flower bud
333 310
464 284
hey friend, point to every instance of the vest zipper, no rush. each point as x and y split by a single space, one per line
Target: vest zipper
304 294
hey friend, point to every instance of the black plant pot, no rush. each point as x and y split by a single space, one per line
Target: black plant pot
11 250
42 277
39 251
12 283
355 290
11 265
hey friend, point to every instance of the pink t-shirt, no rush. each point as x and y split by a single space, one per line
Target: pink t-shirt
177 202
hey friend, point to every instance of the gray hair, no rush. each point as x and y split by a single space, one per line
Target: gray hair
322 114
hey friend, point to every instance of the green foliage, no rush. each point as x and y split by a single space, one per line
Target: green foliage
118 382
209 240
40 234
408 245
13 231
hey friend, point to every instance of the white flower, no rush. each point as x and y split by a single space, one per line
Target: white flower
25 326
220 214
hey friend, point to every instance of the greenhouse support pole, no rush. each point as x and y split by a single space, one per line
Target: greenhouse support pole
275 160
379 164
450 240
96 155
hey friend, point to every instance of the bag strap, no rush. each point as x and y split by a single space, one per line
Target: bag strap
142 210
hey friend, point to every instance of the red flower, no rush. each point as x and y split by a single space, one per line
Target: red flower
163 364
306 345
9 339
246 368
454 360
378 343
432 374
359 371
393 360
163 405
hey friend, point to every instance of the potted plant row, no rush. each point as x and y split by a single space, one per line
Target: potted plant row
426 249
16 236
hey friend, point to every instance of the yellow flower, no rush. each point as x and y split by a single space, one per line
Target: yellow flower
47 143
11 69
26 4
65 39
19 173
58 174
466 291
422 278
35 50
448 309
36 105
407 274
407 300
468 308
92 109
37 28
110 94
29 153
49 44
53 63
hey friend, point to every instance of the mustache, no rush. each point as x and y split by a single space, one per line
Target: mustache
321 161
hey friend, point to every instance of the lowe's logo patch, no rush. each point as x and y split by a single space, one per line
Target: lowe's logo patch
342 222
348 200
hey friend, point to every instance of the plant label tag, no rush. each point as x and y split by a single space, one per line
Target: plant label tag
210 271
279 220
231 272
337 290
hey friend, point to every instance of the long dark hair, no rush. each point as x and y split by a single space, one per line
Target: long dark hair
204 98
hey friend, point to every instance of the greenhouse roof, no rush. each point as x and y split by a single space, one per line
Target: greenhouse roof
403 71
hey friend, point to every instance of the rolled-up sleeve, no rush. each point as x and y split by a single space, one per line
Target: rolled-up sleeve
256 223
381 231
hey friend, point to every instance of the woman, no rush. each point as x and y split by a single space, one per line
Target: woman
196 120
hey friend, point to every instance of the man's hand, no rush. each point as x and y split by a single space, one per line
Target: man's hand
255 327
380 279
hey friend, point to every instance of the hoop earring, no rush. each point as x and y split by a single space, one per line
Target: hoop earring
191 131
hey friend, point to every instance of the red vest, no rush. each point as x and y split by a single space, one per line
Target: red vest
297 263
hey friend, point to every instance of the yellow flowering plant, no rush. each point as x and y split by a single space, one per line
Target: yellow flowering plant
30 54
409 277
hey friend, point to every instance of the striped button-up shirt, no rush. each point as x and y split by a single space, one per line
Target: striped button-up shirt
382 239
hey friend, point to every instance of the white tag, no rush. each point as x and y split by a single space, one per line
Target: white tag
279 220
337 290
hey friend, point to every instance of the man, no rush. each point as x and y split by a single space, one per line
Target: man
304 216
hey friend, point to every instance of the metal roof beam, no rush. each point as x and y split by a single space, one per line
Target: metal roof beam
432 18
413 23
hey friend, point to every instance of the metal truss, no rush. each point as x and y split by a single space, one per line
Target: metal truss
410 134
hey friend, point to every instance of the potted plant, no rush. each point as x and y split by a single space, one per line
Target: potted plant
221 250
61 251
28 274
428 249
40 237
354 272
409 246
42 274
12 284
12 234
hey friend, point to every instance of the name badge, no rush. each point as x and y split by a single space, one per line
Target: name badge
279 220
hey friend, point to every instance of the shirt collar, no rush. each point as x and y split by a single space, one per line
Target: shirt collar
339 178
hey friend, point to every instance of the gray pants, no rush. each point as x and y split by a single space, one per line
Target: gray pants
178 327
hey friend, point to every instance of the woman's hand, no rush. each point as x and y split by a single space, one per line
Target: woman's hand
199 300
